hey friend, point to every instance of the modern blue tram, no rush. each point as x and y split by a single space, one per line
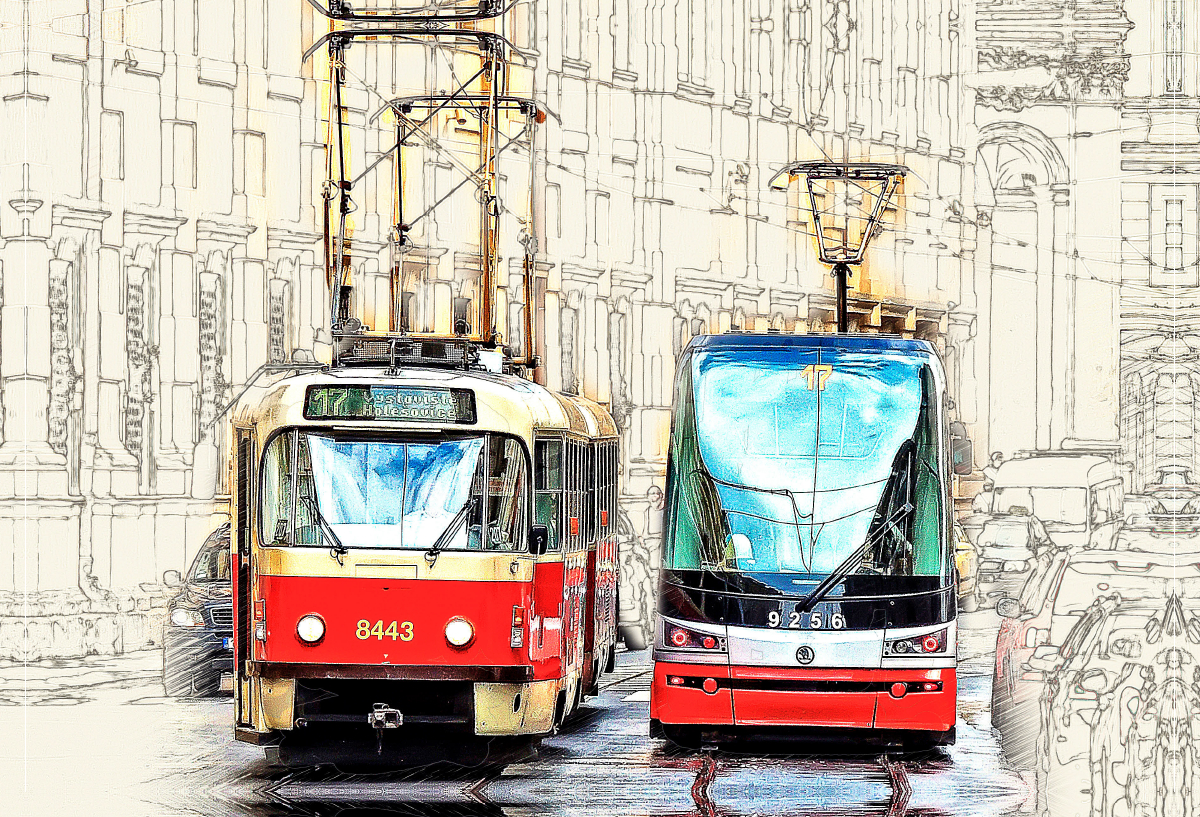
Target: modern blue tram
808 568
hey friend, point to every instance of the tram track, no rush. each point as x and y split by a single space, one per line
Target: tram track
901 788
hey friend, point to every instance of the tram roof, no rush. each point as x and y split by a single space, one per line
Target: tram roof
767 340
503 402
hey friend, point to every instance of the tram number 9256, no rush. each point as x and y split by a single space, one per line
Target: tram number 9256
815 620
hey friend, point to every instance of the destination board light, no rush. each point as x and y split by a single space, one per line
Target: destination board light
399 403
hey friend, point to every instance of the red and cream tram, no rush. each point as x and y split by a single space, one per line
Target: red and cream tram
421 552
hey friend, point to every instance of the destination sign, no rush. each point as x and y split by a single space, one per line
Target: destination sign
401 403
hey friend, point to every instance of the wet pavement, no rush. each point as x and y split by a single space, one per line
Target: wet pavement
97 737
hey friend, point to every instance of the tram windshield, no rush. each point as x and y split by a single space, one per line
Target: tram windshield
791 466
468 493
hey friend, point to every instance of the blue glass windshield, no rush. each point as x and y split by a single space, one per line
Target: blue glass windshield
786 460
384 494
463 494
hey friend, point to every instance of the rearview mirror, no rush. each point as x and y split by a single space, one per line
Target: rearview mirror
539 539
172 578
1008 608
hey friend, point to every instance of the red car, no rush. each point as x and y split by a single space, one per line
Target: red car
1024 626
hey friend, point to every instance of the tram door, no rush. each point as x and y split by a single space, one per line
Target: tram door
244 493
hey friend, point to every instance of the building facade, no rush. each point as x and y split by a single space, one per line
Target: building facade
1086 193
161 240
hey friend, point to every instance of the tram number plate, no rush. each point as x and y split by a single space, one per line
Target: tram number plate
226 643
379 630
813 620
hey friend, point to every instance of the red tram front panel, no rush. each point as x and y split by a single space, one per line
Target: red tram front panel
753 696
385 621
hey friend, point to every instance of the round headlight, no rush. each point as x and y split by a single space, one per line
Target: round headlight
311 628
186 617
459 632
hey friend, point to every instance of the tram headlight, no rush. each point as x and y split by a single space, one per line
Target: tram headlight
680 638
310 628
186 617
930 643
459 632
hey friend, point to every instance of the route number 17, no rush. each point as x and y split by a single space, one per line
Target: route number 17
815 374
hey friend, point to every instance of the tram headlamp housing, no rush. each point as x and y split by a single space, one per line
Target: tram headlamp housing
681 638
927 644
186 617
459 632
310 629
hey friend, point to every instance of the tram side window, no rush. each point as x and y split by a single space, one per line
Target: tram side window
276 513
591 475
548 459
574 503
608 479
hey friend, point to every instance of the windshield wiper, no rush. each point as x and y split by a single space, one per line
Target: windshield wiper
902 466
851 562
444 538
337 550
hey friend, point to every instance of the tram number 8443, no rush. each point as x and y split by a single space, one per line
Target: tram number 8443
365 630
816 620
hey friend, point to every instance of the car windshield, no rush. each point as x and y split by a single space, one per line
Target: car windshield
784 463
1063 505
468 492
212 564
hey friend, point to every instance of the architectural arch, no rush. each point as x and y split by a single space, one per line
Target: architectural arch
1016 158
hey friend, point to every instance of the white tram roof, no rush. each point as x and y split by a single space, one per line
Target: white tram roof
503 403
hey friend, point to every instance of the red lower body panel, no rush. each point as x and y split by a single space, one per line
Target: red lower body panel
766 696
690 704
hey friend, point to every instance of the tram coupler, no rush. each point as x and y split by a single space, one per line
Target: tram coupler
383 717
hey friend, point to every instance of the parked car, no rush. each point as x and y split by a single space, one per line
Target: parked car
1024 626
1117 722
198 634
1006 553
1061 589
966 560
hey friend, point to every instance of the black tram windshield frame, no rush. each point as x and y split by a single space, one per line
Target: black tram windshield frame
789 454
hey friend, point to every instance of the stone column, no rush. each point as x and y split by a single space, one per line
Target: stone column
25 365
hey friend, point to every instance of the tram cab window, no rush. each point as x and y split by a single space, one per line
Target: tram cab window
549 485
467 493
775 472
276 491
506 488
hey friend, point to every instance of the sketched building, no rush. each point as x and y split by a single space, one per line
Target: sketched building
161 241
1087 202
